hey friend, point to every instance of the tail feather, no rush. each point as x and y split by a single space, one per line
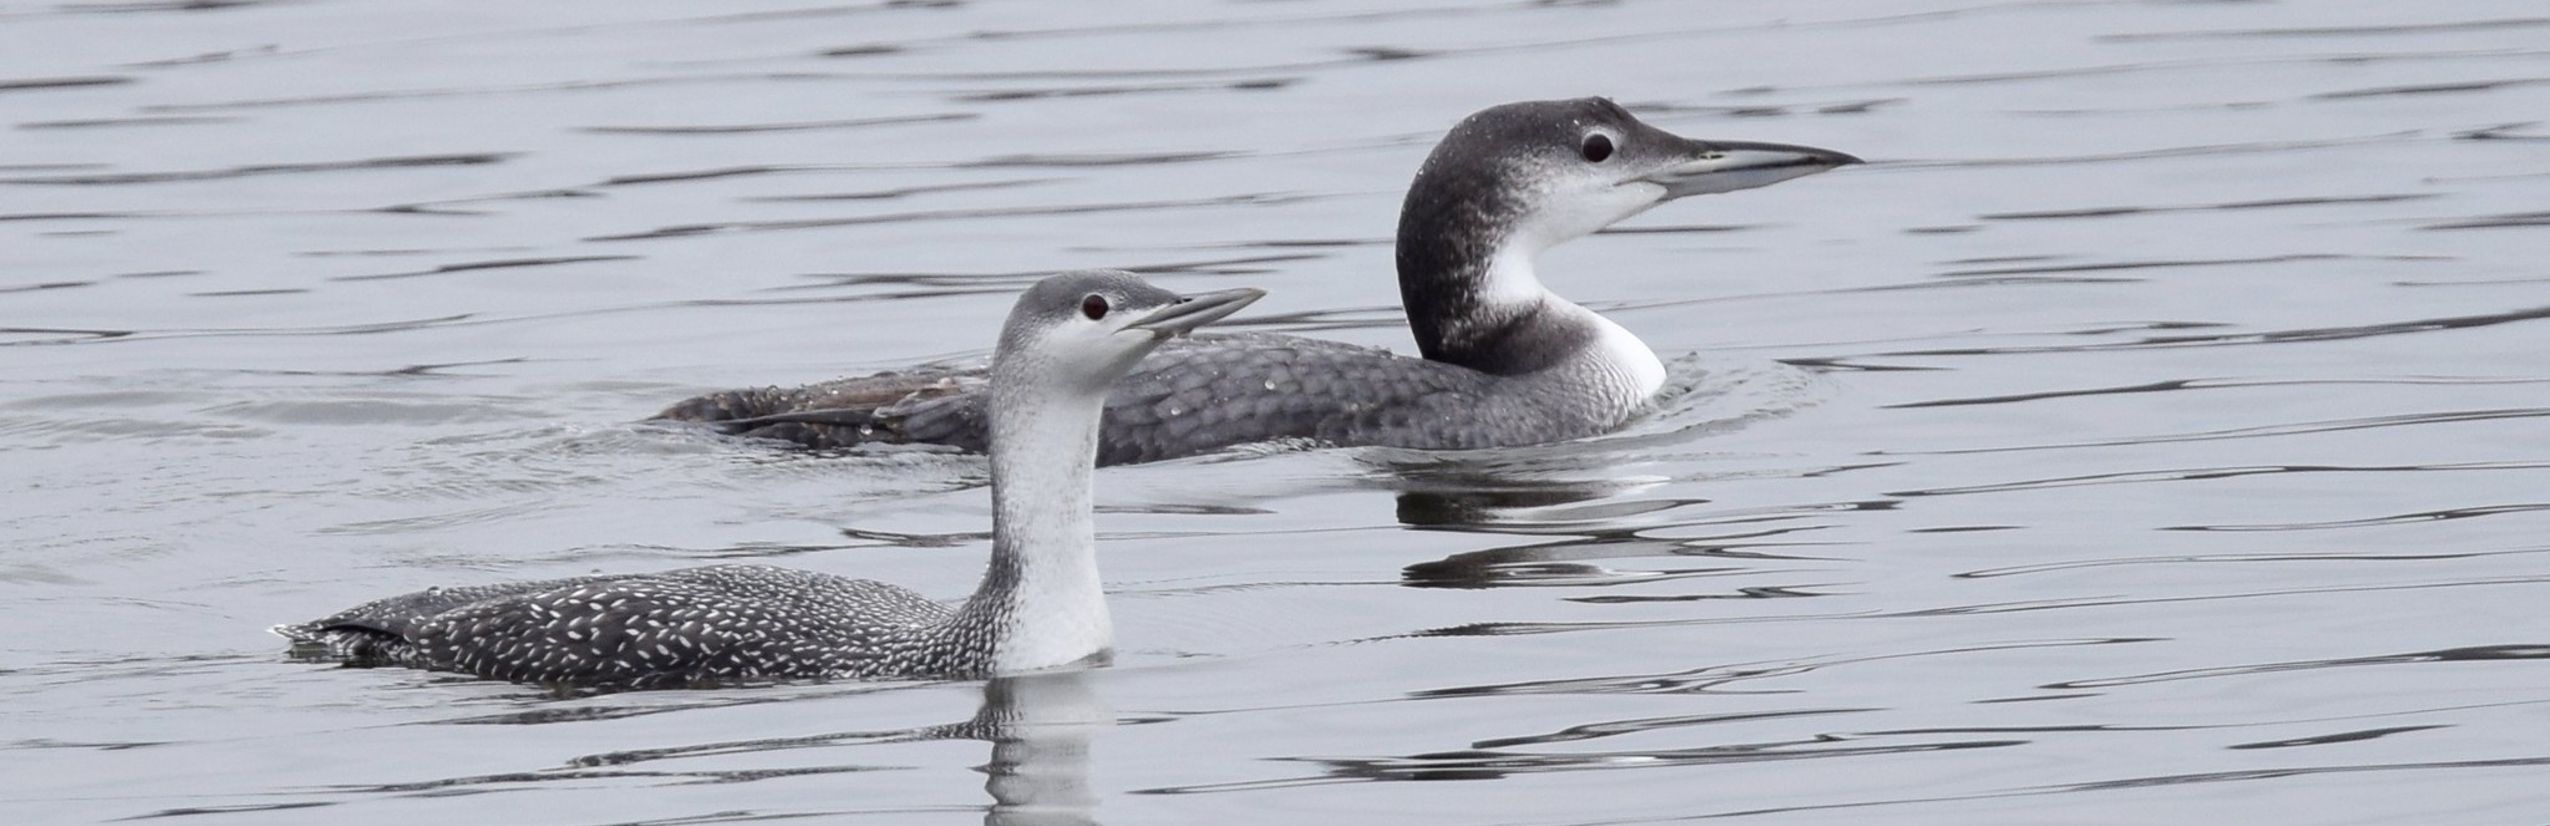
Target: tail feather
838 413
346 644
383 631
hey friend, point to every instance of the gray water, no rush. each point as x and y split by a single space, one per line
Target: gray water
2153 431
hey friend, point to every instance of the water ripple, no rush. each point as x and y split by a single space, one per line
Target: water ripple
2395 519
2242 558
686 230
1488 764
1726 679
499 264
2267 203
42 83
2338 737
801 126
2204 474
2432 88
2263 431
2388 29
397 162
2173 385
2482 653
2311 334
2508 220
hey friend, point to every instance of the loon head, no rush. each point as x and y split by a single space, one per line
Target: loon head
1515 179
1069 338
1077 332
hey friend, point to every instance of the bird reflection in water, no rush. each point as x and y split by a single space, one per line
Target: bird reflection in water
1480 500
1583 529
1040 726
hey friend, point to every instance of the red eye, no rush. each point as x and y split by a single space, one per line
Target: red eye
1095 306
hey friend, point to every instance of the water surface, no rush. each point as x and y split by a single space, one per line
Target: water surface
2154 430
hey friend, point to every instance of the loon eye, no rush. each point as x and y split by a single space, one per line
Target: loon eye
1094 306
1597 147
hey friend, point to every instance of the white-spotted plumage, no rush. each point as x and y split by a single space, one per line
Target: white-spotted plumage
1040 603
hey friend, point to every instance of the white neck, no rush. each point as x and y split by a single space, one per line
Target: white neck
1635 369
1041 599
1513 281
1513 277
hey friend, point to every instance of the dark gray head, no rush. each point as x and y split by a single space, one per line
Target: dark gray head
1554 170
1516 179
1080 331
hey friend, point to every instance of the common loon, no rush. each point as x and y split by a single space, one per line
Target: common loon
1506 361
1039 605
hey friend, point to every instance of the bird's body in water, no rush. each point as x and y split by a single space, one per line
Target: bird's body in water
1505 361
1039 604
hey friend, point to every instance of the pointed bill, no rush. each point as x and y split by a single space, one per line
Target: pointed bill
1196 311
1727 166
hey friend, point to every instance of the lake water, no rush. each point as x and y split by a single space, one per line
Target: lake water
2153 432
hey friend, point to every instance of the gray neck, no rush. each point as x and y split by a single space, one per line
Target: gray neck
1040 604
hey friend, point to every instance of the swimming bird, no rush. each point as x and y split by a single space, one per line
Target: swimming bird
1039 605
1505 361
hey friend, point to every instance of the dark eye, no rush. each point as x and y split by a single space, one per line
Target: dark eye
1095 306
1597 147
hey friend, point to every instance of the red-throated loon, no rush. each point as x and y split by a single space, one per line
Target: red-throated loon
1506 361
1067 341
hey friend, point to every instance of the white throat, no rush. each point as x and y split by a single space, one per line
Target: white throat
1513 278
1513 282
1632 366
1042 601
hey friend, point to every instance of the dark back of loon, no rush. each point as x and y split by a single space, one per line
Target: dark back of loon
1505 363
